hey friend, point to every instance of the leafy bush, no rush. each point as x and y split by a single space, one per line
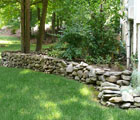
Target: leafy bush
135 78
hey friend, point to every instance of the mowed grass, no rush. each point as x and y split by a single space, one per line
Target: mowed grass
28 95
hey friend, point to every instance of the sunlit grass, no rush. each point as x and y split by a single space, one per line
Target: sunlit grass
28 95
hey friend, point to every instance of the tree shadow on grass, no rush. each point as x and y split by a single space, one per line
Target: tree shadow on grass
28 95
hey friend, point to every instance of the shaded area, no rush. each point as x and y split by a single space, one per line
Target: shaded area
28 95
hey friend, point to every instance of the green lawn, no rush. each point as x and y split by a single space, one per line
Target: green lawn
28 95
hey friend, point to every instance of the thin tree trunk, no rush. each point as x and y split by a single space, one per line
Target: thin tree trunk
42 26
53 25
25 26
38 13
58 23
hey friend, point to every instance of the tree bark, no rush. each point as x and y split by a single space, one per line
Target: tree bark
25 26
42 26
53 26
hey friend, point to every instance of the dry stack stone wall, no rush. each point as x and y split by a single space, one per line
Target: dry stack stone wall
111 84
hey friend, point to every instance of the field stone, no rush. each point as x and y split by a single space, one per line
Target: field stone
99 71
111 95
127 97
111 88
124 77
112 79
101 78
109 104
69 68
125 105
137 99
123 82
127 72
80 73
115 99
111 92
77 78
107 84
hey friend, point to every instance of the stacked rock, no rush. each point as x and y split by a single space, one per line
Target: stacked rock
110 83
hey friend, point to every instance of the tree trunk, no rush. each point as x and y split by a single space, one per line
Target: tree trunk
25 26
53 26
42 26
58 22
38 13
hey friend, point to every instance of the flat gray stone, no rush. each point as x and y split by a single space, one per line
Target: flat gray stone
127 72
80 73
108 84
111 88
69 68
123 83
127 97
125 105
124 77
111 92
112 79
137 99
115 99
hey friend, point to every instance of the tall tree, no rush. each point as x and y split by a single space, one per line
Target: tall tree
25 26
42 25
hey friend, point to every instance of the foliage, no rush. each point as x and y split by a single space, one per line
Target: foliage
135 78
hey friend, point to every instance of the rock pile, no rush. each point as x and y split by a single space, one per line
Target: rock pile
109 83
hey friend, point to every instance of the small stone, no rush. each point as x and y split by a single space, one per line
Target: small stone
125 105
124 77
137 104
137 99
83 64
93 79
111 92
127 97
69 69
116 73
123 83
111 95
109 104
77 78
92 73
101 78
115 99
100 95
107 74
111 88
80 73
107 84
85 75
127 72
74 73
99 71
112 79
